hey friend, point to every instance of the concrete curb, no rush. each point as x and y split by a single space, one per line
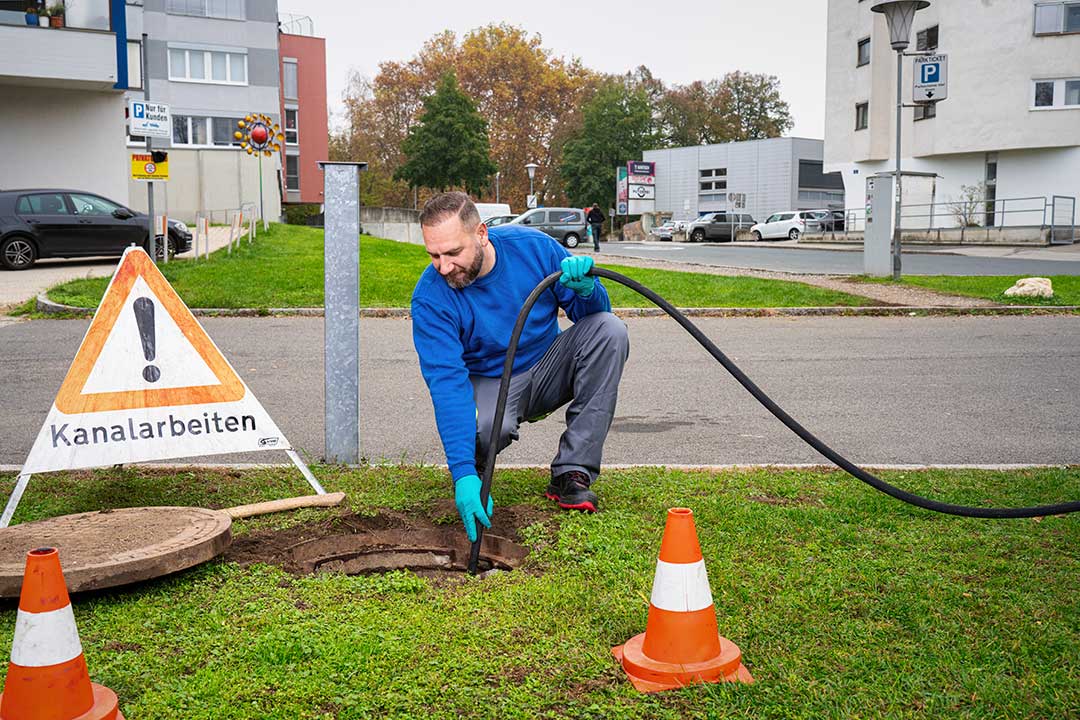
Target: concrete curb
44 305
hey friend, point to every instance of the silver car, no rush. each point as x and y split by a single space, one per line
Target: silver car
566 225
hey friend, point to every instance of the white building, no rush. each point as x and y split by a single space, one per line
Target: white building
62 99
1010 125
64 93
774 175
212 62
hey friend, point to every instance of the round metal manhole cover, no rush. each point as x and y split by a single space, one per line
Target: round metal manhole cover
115 547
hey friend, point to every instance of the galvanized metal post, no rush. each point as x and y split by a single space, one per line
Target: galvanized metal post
899 179
341 327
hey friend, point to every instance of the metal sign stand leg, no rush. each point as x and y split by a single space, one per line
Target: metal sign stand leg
13 501
24 480
302 466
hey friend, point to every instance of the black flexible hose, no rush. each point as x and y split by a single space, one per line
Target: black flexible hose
808 437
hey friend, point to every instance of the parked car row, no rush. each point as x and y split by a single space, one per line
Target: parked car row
724 226
51 223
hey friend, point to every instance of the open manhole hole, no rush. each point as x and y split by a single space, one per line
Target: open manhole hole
360 545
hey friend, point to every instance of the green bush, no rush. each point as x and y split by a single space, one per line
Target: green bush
298 214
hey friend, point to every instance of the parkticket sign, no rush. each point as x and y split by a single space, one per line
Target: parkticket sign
931 81
149 119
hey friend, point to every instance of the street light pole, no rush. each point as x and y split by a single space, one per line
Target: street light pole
497 186
531 169
899 14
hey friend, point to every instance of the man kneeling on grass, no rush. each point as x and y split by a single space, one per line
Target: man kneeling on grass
463 310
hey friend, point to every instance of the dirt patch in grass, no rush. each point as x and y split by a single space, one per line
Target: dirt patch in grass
431 545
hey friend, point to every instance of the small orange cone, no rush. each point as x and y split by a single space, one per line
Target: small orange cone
47 677
680 645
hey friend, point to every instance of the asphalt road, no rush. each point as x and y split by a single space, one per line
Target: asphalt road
881 390
836 262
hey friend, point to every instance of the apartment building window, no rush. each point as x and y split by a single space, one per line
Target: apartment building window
990 210
1056 18
226 9
203 131
288 78
207 65
1061 93
862 116
924 111
134 59
292 172
863 57
292 132
927 40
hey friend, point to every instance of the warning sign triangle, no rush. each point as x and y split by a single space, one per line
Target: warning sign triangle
148 383
129 307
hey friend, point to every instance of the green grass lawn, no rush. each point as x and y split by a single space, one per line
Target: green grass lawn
1066 287
284 268
846 603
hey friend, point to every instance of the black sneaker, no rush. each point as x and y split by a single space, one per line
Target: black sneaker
571 491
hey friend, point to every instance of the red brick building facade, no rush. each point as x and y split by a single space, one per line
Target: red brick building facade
303 116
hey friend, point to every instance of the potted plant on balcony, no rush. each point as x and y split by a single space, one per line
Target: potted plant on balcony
32 15
56 15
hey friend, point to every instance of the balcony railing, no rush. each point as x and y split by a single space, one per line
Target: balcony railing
80 15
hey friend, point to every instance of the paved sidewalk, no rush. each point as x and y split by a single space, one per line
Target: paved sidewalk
1053 252
885 294
17 287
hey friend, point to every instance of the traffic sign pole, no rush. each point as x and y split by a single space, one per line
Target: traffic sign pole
151 242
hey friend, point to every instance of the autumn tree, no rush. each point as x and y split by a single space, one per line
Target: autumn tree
617 126
529 98
741 106
753 101
448 147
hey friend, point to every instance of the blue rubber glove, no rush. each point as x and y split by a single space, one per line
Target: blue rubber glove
574 275
467 499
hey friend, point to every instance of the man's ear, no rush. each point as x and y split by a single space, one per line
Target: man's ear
482 233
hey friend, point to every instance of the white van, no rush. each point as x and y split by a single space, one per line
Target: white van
488 210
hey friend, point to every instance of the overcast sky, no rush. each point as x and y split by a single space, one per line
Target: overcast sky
679 40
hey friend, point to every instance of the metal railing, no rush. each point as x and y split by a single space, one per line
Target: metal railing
1056 213
235 218
980 212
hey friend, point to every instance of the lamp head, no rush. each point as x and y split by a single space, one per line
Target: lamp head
899 14
531 168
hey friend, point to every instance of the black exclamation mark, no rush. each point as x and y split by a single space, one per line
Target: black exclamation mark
144 316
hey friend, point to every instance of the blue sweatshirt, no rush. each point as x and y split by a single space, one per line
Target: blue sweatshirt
458 333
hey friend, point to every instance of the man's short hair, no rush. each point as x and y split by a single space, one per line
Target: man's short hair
446 204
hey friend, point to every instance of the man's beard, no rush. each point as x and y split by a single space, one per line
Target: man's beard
460 279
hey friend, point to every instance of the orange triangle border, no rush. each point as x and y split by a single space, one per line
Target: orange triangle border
71 400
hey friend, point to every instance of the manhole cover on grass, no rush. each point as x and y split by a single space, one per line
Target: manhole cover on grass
115 547
357 545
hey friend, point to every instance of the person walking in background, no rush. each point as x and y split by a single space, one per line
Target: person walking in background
595 219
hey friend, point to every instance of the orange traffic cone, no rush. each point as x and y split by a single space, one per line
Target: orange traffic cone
47 677
680 645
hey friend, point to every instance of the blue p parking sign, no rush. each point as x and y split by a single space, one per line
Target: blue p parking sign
931 78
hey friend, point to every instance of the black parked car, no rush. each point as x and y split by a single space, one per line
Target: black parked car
72 223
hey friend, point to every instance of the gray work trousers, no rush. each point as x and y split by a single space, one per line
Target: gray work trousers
582 367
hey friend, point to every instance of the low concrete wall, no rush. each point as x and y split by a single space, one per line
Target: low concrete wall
400 224
999 236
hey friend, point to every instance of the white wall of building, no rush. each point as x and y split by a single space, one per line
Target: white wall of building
64 139
767 171
994 60
211 179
